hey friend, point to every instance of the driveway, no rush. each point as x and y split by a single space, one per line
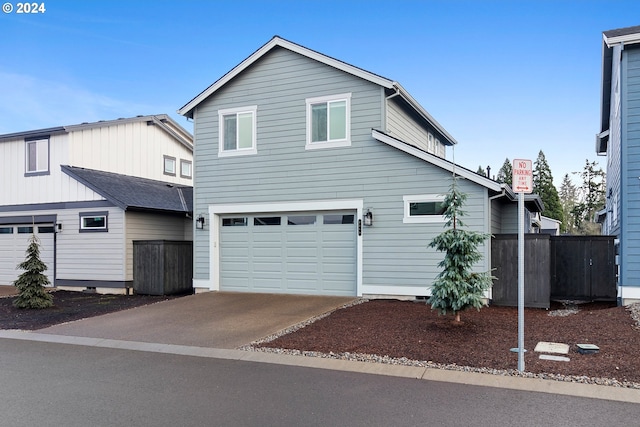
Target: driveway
214 319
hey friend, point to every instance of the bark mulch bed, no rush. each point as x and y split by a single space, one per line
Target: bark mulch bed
406 329
69 306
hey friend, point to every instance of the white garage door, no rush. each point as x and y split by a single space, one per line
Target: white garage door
299 253
14 240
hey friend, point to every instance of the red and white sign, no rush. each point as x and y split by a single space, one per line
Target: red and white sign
522 179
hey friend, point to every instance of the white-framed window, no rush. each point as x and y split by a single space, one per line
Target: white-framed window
329 121
185 169
37 157
169 165
94 221
237 131
424 208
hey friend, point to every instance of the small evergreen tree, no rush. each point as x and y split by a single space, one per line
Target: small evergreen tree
592 198
457 287
568 194
31 283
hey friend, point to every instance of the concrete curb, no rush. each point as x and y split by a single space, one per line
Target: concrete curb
471 378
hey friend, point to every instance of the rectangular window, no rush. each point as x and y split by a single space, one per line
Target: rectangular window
45 229
427 208
169 165
234 222
37 157
185 168
6 230
301 220
237 131
93 221
337 219
267 220
328 121
25 230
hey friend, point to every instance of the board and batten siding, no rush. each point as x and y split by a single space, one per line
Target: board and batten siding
630 237
395 254
128 148
144 226
614 148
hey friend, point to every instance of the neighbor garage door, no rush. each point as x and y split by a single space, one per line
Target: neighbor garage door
301 253
14 240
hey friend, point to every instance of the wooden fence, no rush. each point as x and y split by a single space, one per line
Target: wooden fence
556 268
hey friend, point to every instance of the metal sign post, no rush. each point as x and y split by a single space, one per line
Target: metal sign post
522 182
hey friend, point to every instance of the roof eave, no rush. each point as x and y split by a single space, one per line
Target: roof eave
187 109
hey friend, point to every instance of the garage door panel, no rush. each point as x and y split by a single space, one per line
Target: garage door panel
310 253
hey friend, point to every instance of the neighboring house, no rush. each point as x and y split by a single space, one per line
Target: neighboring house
549 226
87 191
619 140
317 177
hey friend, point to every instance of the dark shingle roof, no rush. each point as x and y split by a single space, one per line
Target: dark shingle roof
622 31
134 193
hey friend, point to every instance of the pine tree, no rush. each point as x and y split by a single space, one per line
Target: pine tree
457 287
31 283
543 186
592 198
568 198
481 171
505 174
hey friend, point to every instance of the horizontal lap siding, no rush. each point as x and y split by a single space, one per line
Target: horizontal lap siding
395 254
631 206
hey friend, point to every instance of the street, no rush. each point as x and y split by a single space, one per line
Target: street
48 384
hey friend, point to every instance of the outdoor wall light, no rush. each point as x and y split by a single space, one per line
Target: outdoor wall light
200 222
368 218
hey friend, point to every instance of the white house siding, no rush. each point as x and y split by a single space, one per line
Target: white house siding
630 231
128 148
145 226
395 254
404 127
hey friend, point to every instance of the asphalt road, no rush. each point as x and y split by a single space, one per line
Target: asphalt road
49 384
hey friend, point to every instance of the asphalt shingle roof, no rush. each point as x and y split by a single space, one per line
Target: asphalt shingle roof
134 193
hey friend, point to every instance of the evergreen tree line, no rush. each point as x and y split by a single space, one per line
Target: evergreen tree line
574 205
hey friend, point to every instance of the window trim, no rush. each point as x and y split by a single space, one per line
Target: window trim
422 219
345 142
83 229
253 110
36 172
186 162
164 165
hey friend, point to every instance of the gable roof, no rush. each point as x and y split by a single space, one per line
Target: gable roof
533 202
187 109
163 121
628 35
134 193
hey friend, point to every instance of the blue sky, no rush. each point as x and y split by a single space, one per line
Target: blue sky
505 78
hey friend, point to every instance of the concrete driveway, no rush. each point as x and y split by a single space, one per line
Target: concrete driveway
214 319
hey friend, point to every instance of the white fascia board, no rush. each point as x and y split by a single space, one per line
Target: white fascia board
416 106
437 161
277 41
626 39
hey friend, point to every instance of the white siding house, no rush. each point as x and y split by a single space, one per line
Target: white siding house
74 186
318 177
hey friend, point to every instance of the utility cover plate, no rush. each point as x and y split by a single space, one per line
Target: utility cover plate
554 358
552 347
587 348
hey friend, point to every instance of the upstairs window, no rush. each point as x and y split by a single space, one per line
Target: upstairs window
169 165
93 221
237 131
37 157
185 168
329 121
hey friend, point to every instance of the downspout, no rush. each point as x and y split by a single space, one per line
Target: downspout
386 99
503 193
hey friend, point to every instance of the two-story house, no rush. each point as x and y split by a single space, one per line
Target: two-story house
619 140
317 177
87 191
